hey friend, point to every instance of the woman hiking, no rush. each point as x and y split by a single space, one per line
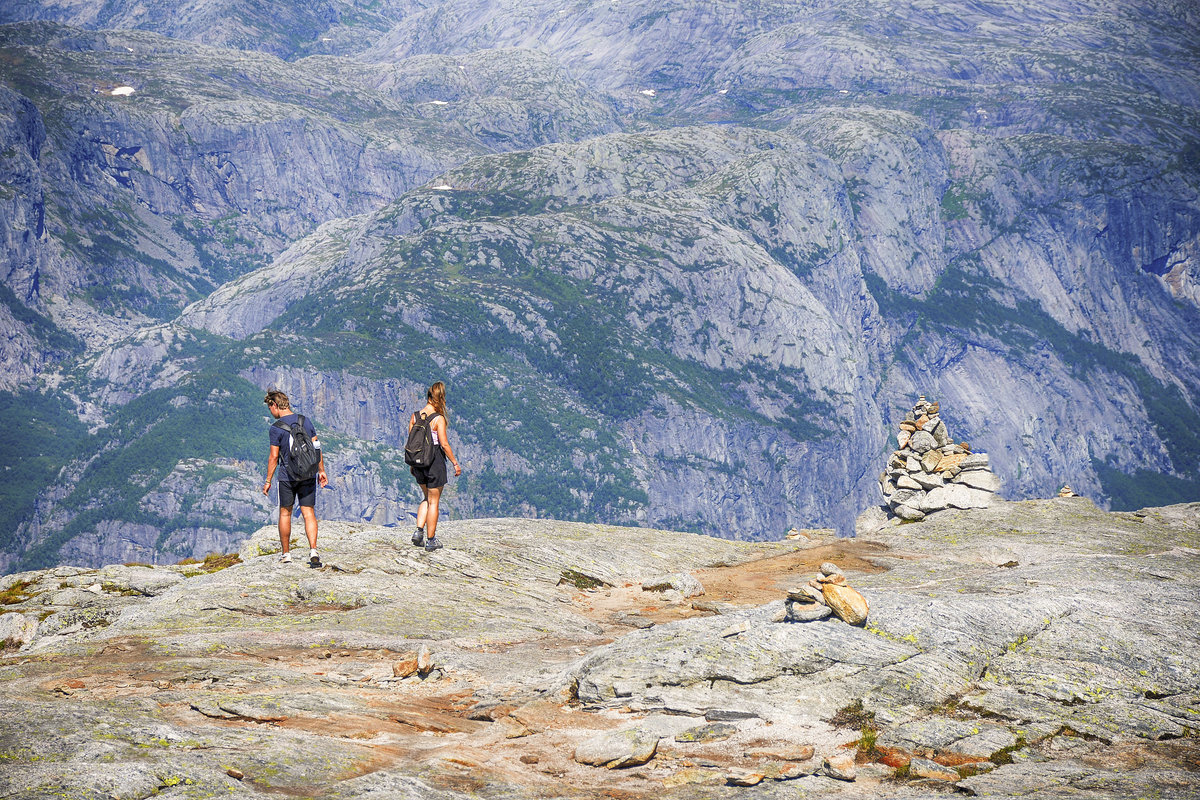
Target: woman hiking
432 478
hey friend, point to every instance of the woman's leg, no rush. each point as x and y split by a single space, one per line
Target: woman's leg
431 497
423 509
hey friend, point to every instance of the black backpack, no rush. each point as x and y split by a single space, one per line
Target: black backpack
303 459
419 451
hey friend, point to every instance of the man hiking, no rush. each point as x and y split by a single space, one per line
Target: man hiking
294 443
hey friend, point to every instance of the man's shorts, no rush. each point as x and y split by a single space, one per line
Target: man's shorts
433 476
305 491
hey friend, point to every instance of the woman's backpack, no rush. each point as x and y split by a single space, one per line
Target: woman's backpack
419 450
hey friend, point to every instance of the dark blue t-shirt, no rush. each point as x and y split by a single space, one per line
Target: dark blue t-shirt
282 438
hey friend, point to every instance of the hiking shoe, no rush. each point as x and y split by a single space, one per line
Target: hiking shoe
314 561
286 558
418 537
433 544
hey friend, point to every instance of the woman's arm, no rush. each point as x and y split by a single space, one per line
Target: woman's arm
439 425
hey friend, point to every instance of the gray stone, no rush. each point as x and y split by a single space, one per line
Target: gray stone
922 442
804 612
929 480
974 461
711 732
839 767
902 497
908 513
616 749
907 482
870 520
924 768
17 629
979 479
940 434
958 496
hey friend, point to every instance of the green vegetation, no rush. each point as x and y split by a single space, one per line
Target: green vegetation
1143 488
213 562
16 593
219 417
58 343
581 581
39 435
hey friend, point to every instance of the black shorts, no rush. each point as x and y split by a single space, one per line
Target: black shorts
305 491
433 476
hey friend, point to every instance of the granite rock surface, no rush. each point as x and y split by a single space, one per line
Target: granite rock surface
1014 651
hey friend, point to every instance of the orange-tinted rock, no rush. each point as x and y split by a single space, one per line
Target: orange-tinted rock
950 461
847 603
405 666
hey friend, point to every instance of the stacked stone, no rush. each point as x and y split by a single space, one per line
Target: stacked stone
929 472
826 595
1067 491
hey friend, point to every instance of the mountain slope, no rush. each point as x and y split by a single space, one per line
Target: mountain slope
678 285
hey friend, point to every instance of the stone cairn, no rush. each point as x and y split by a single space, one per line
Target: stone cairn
826 595
1067 491
929 472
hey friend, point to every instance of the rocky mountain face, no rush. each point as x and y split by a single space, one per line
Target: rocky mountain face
681 268
1016 651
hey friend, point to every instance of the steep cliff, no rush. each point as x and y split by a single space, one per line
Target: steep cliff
680 267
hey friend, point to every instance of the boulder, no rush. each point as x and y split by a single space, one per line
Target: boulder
909 513
979 479
934 500
806 612
615 749
839 767
957 496
847 603
924 768
17 629
974 461
929 480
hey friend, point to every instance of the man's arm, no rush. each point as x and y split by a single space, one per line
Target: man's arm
272 462
322 478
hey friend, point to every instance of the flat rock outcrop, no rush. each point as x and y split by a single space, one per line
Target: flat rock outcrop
1015 651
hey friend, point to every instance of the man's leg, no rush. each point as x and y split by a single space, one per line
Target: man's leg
285 529
310 525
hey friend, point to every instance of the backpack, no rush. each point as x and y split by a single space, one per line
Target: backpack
419 450
303 458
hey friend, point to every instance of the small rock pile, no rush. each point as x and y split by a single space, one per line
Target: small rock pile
826 595
929 472
1067 491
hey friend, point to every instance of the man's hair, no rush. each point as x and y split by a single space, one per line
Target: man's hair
277 398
